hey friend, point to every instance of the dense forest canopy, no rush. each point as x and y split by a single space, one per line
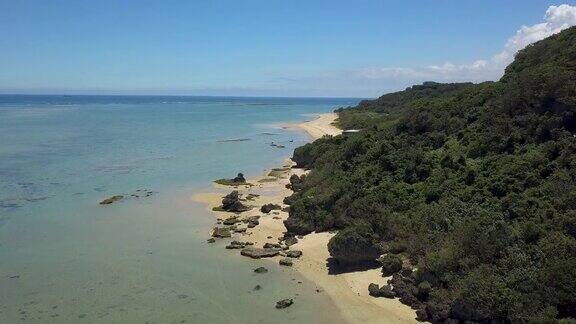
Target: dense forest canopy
473 184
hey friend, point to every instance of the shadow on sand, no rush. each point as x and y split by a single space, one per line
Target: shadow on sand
335 267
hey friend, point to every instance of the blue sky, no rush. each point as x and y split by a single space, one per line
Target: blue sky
261 48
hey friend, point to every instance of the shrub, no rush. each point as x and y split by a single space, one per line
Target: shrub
391 264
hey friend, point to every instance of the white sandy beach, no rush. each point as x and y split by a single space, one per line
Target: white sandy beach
349 291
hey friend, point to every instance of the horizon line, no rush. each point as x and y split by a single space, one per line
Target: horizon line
176 95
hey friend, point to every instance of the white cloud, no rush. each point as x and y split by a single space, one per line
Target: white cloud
556 19
374 81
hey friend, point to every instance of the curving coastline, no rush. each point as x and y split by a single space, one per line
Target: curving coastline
349 291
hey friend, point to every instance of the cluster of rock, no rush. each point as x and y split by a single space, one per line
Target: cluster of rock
236 245
402 285
277 145
252 221
140 193
231 203
284 303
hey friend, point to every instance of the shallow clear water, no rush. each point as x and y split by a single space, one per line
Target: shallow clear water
64 258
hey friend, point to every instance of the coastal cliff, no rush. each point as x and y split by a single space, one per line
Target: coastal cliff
468 190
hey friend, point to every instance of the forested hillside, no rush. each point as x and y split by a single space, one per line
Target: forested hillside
471 185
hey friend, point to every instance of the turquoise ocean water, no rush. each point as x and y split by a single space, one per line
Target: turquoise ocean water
64 258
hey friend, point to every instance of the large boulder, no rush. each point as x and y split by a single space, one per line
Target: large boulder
257 253
385 291
354 245
239 178
269 207
298 226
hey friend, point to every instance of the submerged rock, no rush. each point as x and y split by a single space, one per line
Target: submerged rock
260 270
211 240
111 200
236 245
221 232
284 303
257 253
286 262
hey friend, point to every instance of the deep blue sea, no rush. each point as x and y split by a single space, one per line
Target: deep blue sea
65 258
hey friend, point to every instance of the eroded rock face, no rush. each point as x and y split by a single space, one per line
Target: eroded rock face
257 253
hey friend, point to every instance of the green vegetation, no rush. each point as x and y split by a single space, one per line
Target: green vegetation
475 184
391 264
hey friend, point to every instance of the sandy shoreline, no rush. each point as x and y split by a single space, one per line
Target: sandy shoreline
349 291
